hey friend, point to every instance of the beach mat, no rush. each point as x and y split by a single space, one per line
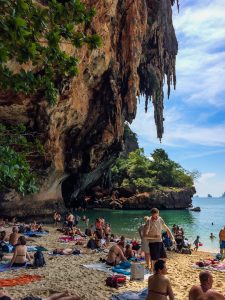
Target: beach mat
103 267
142 295
6 267
35 233
20 280
36 248
218 268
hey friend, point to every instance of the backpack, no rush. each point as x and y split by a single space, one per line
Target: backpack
115 280
39 260
22 229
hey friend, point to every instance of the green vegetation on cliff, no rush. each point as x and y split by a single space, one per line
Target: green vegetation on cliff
139 173
17 149
33 33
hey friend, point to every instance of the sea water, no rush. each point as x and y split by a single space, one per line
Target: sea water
211 218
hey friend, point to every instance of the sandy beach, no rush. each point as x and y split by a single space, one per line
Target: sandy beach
66 273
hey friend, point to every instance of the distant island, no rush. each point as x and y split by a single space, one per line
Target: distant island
223 195
209 196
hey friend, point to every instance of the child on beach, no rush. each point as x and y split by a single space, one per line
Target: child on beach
196 243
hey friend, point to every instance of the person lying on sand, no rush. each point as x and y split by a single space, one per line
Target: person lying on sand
204 291
115 256
159 287
56 296
66 251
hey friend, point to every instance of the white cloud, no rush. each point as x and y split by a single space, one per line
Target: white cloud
210 183
178 133
201 58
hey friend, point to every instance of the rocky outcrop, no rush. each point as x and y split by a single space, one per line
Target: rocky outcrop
84 130
170 199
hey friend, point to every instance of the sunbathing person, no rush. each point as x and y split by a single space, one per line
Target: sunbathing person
204 291
128 252
66 251
159 287
115 256
20 255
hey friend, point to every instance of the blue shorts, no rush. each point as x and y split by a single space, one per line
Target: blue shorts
222 245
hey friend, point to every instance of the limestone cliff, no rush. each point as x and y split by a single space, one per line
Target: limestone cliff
82 133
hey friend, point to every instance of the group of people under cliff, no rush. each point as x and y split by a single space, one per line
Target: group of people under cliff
152 246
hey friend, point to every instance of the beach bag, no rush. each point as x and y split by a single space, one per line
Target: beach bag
115 280
39 260
21 229
76 252
137 271
88 232
91 244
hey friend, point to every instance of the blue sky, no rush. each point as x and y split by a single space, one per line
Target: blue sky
195 113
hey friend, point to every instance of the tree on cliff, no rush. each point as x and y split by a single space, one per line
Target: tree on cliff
137 172
33 61
31 40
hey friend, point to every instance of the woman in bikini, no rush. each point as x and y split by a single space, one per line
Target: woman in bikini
159 287
20 255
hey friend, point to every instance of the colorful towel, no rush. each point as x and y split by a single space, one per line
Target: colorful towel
67 239
142 295
107 269
211 267
20 280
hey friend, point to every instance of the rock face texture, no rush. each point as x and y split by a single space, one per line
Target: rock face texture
82 133
163 200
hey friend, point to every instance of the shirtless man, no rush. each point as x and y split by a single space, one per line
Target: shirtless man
204 291
115 256
13 238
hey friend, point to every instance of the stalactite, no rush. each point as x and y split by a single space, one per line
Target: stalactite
160 48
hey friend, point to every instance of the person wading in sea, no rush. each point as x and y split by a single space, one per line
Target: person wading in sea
153 234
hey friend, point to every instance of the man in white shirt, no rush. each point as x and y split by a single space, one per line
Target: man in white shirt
153 234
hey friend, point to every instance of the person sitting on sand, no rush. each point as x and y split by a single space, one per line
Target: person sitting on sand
196 243
204 291
128 252
13 238
115 256
20 254
57 296
2 237
121 243
159 287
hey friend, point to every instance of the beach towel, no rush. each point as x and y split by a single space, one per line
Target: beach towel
103 267
20 280
142 295
35 233
6 267
67 239
211 267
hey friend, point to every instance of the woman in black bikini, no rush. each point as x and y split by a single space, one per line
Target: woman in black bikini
159 287
20 255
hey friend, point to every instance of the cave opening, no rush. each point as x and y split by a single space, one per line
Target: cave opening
68 187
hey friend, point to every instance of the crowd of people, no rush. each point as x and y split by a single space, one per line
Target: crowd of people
155 238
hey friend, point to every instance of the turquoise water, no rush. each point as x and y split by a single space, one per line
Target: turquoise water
194 223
